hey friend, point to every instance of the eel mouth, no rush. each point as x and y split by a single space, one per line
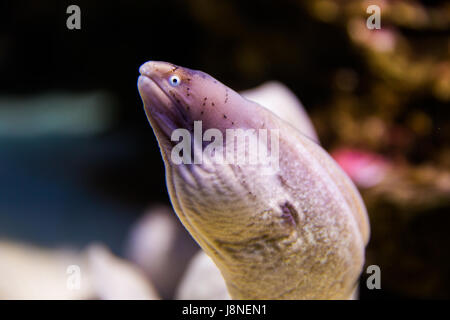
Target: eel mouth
160 108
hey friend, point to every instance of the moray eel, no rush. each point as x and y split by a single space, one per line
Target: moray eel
295 230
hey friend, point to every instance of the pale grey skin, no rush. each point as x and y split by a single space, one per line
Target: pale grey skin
297 232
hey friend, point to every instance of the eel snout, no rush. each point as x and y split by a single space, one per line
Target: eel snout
184 95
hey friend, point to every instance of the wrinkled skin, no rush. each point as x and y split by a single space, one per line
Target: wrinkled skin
296 231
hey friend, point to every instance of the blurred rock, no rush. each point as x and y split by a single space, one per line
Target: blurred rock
160 245
202 281
28 272
116 279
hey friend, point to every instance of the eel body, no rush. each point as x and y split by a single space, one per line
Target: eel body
294 228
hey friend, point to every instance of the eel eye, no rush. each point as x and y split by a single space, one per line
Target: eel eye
174 81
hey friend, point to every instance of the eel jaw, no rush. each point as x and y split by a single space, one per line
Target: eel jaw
160 109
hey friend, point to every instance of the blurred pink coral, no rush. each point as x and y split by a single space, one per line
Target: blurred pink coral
366 169
382 40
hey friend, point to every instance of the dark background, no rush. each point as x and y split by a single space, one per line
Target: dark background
59 189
